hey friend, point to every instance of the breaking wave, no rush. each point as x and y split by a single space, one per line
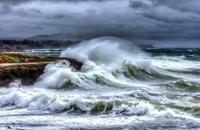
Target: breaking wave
58 103
106 62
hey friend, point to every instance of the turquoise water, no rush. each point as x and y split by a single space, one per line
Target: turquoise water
42 52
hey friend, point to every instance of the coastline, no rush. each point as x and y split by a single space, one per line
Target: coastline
28 71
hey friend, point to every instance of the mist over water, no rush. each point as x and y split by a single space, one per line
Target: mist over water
105 50
119 87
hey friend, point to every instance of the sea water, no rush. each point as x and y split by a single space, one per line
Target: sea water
119 86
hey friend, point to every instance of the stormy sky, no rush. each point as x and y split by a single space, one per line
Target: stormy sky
166 20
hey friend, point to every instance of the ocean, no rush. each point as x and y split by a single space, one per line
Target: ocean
119 87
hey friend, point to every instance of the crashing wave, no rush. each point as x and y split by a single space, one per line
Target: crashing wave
61 75
55 103
107 62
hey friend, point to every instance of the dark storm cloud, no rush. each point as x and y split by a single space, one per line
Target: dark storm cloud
21 1
172 17
83 19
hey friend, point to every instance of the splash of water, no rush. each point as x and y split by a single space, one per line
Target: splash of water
105 50
107 61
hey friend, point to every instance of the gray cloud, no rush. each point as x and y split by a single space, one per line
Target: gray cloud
84 19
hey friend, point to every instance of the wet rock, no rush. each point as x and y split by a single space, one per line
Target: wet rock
27 72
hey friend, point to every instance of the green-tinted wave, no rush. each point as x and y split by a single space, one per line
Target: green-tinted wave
133 72
103 107
181 84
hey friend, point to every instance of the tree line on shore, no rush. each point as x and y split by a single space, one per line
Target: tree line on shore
9 45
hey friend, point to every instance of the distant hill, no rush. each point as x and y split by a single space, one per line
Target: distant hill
55 37
13 45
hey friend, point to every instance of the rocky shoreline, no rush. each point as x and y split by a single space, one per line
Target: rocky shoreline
28 72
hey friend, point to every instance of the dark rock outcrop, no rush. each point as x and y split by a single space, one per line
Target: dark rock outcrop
27 72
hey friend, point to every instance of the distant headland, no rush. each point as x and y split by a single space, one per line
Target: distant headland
14 45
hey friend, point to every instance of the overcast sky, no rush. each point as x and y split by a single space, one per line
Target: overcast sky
83 19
